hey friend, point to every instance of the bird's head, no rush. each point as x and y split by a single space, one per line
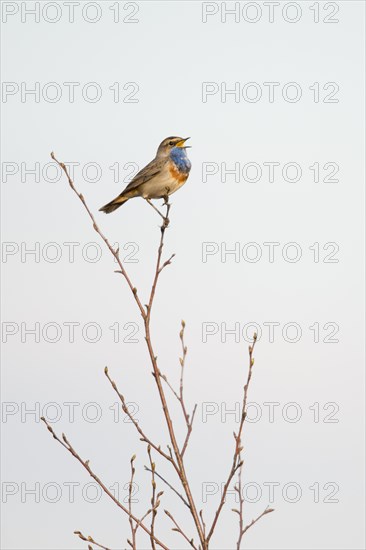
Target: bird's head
170 143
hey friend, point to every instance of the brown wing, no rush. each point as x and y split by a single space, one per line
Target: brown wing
146 174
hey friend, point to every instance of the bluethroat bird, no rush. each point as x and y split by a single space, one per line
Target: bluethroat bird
161 177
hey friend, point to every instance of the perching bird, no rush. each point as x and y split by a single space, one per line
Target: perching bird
161 177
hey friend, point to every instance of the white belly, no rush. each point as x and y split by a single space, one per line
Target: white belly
161 185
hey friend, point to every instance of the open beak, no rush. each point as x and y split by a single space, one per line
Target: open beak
182 142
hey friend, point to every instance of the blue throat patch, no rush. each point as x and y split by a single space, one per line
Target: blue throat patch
180 159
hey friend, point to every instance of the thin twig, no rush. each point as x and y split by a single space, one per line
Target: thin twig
144 437
155 502
240 513
179 530
169 485
182 361
180 397
90 539
203 522
114 252
142 519
237 461
157 375
239 489
130 485
167 262
165 378
85 463
266 511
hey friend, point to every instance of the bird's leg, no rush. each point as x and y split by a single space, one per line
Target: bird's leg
156 209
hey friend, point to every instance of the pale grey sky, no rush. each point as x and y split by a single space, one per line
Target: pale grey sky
272 93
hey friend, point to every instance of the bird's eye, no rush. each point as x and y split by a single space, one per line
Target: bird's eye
171 143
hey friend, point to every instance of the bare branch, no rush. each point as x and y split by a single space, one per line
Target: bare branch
130 485
266 511
167 262
90 539
154 500
144 437
165 378
176 454
182 361
179 465
180 397
157 376
179 530
114 252
85 463
238 489
237 461
203 522
169 485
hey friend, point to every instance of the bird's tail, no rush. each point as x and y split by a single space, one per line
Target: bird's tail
115 203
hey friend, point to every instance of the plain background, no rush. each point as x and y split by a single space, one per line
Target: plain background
169 53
